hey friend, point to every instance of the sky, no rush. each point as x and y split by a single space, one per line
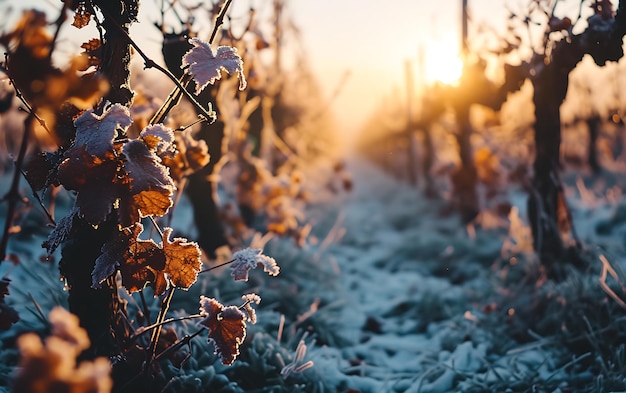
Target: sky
370 41
373 41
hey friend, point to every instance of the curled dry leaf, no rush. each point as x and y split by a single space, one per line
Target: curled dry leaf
227 328
250 258
182 260
140 262
151 187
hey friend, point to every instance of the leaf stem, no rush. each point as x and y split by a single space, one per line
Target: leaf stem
156 334
181 86
183 341
156 226
149 63
216 266
38 199
165 322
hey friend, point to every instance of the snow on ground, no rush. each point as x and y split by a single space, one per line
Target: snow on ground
416 290
413 293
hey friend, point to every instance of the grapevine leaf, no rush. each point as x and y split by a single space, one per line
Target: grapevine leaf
249 299
97 133
250 258
151 186
95 180
144 263
182 260
141 261
206 66
192 156
97 197
93 53
60 231
227 328
82 16
158 138
113 253
39 169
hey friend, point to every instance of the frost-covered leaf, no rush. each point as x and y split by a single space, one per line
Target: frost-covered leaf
60 231
40 169
96 198
250 258
113 253
206 66
182 260
151 186
227 328
97 132
143 262
140 262
192 156
249 299
158 138
96 183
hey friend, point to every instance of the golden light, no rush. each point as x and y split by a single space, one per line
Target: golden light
442 62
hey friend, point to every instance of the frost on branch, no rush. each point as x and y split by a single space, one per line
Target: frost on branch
227 328
250 258
206 66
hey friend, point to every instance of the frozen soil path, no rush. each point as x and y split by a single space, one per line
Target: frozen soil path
412 287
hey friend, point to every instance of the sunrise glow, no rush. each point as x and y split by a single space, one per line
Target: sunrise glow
442 62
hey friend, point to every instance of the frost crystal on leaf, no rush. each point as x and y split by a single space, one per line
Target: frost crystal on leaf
247 307
250 258
227 328
151 186
158 138
60 231
97 133
206 66
182 260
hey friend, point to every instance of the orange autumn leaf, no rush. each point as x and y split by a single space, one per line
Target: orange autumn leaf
82 16
139 261
182 260
151 186
227 328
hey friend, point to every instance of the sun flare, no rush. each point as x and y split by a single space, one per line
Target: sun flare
442 63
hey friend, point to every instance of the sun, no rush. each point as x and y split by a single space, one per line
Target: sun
442 63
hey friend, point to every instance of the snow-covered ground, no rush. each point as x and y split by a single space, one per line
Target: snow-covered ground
422 297
407 299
